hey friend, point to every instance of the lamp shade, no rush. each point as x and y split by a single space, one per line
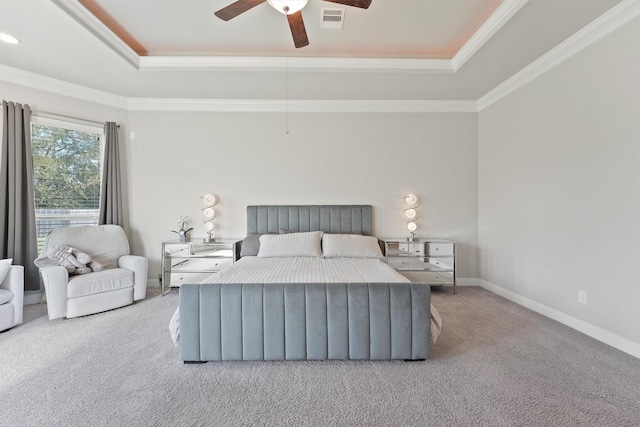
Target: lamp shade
208 225
288 7
411 213
411 226
209 199
209 213
411 199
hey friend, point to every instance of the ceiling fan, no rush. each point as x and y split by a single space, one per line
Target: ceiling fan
291 8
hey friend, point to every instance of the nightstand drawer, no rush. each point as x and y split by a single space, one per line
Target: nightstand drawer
445 263
412 248
176 249
434 249
429 277
198 264
407 262
178 278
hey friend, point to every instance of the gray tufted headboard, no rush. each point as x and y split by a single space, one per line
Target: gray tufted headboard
329 218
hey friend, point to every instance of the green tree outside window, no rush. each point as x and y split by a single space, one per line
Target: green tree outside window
66 165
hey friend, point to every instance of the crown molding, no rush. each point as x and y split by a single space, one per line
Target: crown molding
95 26
610 21
501 16
61 87
279 63
300 106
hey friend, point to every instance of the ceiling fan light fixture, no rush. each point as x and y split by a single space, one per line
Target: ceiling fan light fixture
287 7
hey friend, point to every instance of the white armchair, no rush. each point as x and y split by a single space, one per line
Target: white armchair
12 298
122 281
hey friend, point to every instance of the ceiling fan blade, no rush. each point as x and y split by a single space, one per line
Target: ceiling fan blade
235 9
298 31
362 4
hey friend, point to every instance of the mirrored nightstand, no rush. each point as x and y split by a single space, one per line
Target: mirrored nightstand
193 261
432 261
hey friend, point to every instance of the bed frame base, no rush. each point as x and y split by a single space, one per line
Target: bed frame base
298 321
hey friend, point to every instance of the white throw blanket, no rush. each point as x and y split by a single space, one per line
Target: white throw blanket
308 270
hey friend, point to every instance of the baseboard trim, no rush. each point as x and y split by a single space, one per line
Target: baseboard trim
609 338
467 281
32 297
153 283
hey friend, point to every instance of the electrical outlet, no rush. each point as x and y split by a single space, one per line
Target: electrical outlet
582 297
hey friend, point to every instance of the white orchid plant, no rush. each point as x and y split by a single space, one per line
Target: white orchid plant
182 227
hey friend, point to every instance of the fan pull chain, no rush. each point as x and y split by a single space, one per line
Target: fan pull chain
286 93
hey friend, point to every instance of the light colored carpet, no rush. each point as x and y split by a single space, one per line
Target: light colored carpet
495 364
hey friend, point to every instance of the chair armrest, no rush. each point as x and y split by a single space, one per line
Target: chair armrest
14 282
55 279
140 267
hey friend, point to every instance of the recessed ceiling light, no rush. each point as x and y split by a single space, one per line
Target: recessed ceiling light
8 38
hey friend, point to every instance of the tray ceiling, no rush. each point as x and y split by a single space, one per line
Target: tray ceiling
395 50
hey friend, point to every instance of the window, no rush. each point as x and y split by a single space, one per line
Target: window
66 173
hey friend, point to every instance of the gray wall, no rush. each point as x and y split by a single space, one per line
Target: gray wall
559 187
247 158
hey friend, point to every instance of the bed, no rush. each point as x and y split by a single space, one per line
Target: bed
309 283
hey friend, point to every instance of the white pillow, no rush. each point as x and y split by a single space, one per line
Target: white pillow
5 265
291 245
350 246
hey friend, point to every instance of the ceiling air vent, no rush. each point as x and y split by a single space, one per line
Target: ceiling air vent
332 19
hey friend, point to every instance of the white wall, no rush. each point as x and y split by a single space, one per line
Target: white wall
247 158
559 187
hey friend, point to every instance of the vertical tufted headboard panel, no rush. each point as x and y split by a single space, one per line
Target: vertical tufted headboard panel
296 218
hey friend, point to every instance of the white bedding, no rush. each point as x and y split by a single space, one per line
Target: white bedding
308 270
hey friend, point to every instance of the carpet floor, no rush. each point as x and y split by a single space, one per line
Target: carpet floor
495 364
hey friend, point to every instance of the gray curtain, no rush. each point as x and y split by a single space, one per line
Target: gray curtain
18 235
111 190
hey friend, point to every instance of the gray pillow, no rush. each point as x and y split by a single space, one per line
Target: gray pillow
250 245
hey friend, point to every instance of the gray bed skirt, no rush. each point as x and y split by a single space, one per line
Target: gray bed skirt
312 321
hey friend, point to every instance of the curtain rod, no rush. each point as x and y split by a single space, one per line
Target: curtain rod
78 120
